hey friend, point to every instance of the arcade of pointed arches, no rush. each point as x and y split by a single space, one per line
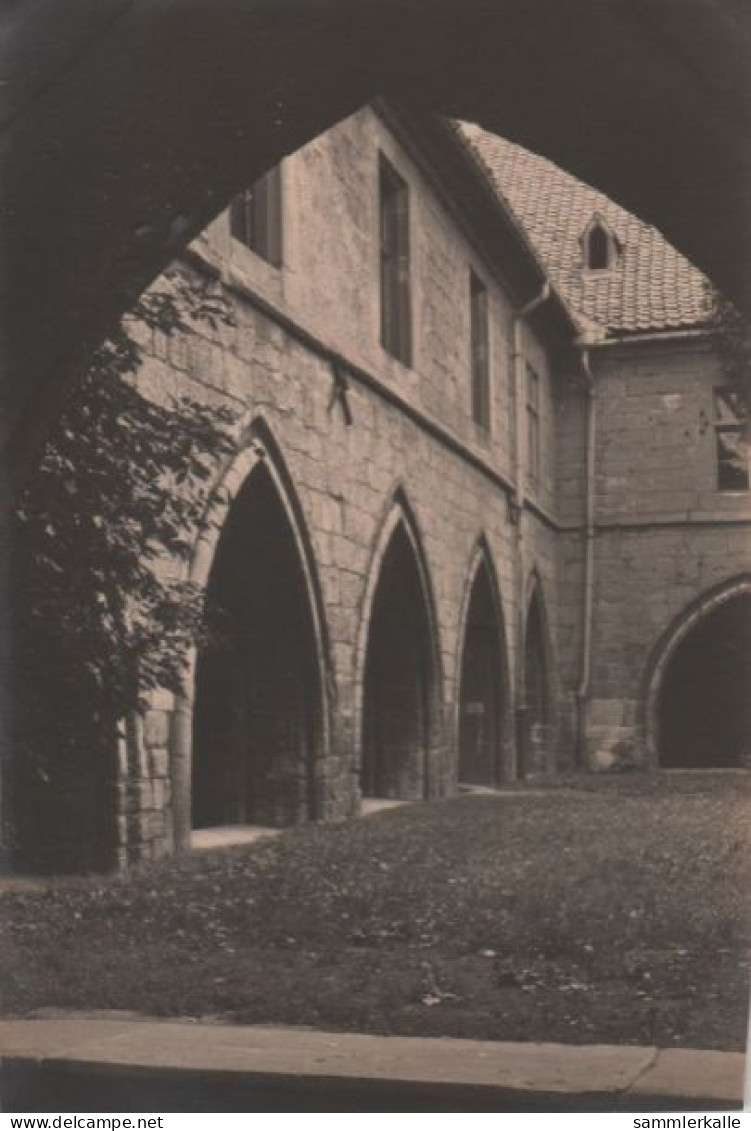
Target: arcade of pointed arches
399 725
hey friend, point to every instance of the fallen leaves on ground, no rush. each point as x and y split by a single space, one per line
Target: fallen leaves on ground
608 910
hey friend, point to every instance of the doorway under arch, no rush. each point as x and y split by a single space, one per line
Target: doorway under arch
400 682
257 713
702 706
483 685
536 714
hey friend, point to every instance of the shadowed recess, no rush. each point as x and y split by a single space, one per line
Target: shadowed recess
257 704
704 706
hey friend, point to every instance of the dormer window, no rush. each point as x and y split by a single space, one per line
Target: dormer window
598 250
600 246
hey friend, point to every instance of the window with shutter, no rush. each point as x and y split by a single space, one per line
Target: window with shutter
479 349
533 428
255 217
396 315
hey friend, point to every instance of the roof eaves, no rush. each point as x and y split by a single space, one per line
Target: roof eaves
515 253
656 289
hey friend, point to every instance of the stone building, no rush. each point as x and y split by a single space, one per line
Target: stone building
666 671
460 541
389 558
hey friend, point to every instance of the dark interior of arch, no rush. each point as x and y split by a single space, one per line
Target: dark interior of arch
598 250
535 726
257 696
399 680
481 700
704 705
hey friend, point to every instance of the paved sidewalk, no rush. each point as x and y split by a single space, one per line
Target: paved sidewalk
230 836
258 1064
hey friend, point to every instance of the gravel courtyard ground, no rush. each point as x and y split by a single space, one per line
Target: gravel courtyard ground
611 910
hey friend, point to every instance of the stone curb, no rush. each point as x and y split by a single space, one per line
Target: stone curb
570 1074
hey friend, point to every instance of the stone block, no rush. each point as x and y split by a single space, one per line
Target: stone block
159 794
160 763
161 699
606 713
152 825
630 712
614 749
138 796
156 728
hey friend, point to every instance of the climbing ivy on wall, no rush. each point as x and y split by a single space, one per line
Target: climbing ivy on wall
731 335
101 611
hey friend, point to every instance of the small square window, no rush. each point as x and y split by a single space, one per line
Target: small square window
255 217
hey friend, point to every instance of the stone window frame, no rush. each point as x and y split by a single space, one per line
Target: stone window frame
532 414
395 271
611 246
256 217
479 351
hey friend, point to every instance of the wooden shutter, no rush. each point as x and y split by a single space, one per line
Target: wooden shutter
273 216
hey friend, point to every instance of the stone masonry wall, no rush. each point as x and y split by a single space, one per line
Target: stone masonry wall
411 439
571 407
144 829
664 534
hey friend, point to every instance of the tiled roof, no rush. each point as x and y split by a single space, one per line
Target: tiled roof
650 287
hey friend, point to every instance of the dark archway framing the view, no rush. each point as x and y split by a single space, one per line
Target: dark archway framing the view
147 118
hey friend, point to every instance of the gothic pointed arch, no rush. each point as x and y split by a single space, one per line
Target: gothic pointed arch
400 701
600 245
537 717
483 687
255 707
696 703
